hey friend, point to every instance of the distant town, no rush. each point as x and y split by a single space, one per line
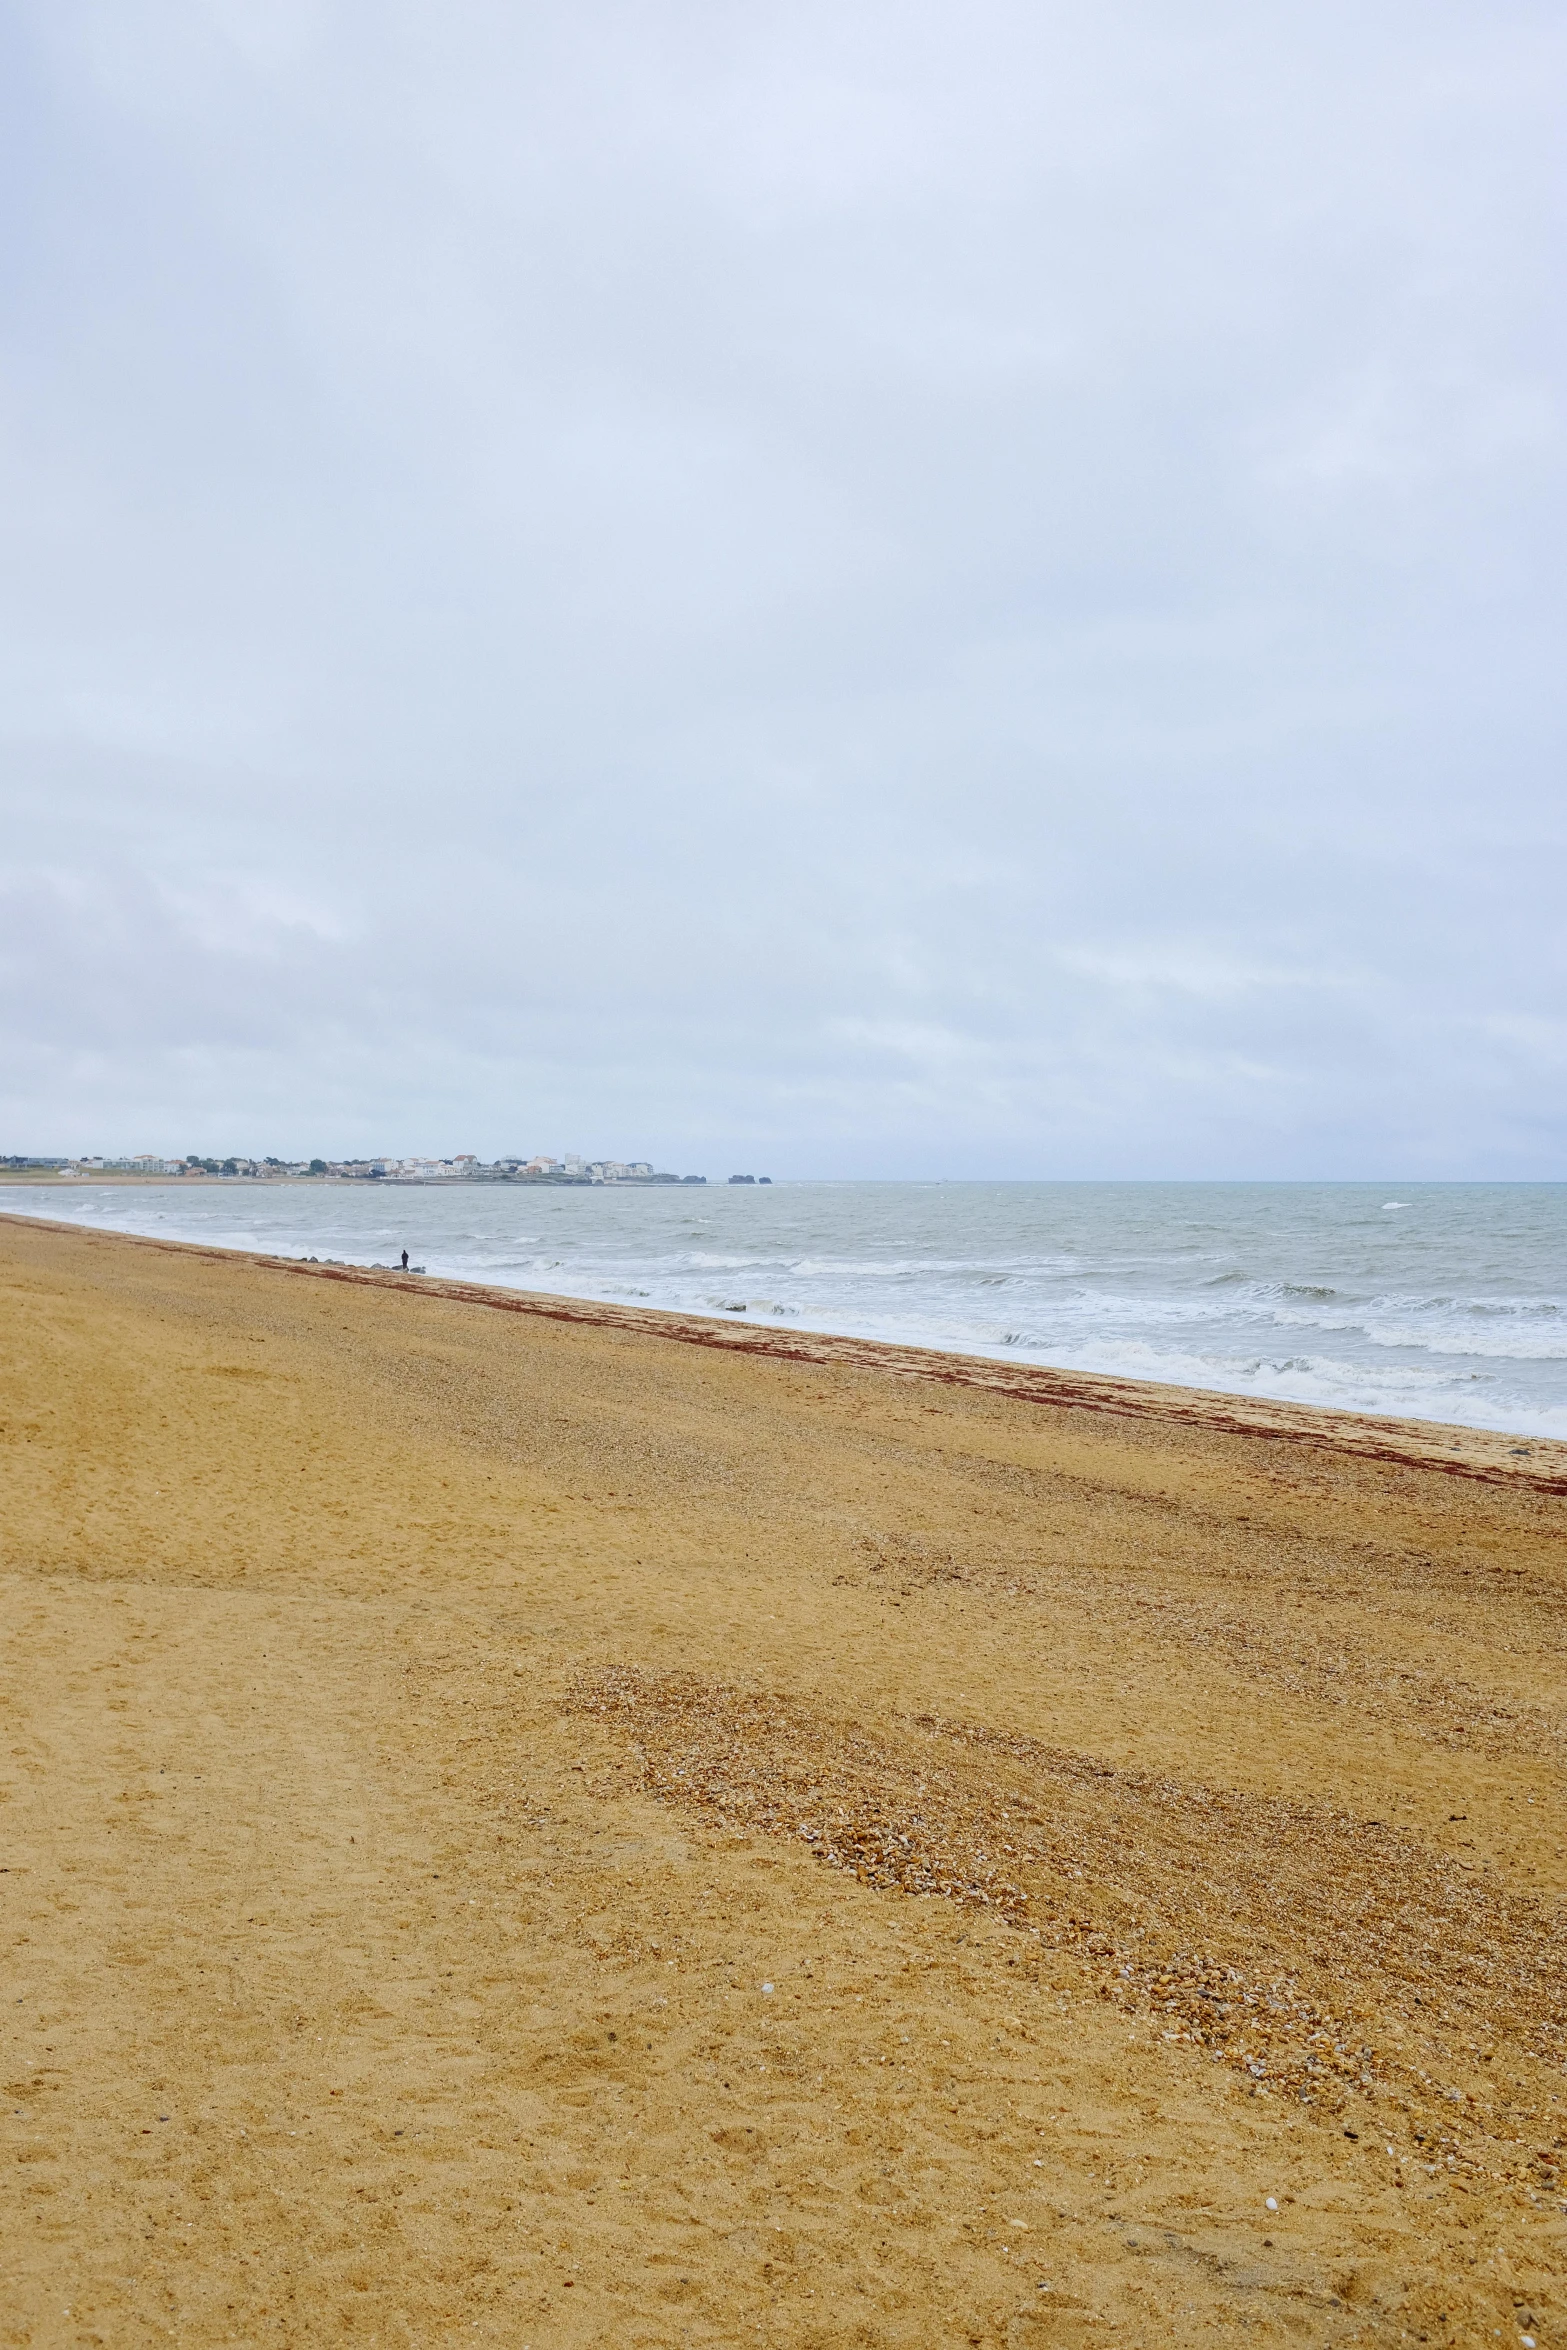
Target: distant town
462 1167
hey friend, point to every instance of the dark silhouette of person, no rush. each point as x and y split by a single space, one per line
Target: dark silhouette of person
405 1260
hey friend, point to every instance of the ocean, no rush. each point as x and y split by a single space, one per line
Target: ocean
1434 1301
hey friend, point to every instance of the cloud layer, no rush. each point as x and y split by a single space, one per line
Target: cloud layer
911 593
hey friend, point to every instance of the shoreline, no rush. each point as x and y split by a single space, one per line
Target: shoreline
1449 1447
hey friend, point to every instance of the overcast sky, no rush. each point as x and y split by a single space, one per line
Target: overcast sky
859 588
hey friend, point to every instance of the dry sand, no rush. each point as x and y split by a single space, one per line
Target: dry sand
523 1828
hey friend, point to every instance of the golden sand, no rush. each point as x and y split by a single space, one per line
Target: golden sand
525 1828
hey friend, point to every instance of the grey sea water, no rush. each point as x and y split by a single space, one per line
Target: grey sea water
1435 1301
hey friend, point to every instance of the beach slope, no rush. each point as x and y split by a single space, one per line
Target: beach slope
547 1825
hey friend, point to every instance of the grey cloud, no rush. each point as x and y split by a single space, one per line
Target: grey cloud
909 595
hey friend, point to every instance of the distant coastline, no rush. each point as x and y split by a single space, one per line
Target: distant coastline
69 1178
461 1167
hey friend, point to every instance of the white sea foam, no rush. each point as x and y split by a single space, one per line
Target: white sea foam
1450 1310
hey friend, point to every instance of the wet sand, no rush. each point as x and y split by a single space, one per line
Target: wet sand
539 1824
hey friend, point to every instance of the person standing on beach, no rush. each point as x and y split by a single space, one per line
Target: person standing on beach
405 1260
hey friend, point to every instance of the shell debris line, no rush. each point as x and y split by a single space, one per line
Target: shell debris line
1325 1959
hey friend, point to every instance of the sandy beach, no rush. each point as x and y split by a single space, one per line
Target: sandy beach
543 1824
